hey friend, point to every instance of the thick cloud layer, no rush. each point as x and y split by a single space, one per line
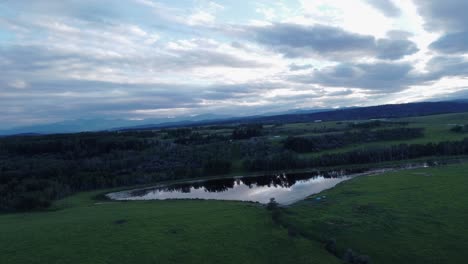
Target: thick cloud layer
376 77
448 17
444 15
141 59
451 43
298 41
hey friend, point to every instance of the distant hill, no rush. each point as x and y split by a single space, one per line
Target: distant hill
97 124
291 116
357 113
372 112
297 111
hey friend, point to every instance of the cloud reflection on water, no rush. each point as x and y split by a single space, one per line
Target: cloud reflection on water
286 189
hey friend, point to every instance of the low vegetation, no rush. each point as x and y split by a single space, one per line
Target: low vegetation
411 216
81 230
460 129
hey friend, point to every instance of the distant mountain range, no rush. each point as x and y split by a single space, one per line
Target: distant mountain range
352 113
373 112
96 124
297 115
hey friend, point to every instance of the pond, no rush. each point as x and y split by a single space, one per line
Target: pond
285 188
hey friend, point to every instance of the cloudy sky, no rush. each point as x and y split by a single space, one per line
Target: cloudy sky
138 59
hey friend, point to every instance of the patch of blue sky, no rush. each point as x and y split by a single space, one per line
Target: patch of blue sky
238 12
6 36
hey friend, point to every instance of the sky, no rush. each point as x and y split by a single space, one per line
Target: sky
140 59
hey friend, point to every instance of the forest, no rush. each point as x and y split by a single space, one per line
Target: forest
36 170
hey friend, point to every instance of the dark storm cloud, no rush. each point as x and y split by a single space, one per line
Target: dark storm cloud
332 42
387 7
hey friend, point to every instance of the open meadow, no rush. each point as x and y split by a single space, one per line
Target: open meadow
409 216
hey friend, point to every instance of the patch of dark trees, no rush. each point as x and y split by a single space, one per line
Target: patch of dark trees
460 129
290 160
349 256
196 138
34 171
189 136
332 141
247 131
375 124
74 145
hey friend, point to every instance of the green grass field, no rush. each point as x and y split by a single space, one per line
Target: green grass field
81 231
436 129
412 216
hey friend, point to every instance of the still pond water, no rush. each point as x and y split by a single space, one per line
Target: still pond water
285 188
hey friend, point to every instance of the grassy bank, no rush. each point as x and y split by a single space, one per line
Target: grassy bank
82 230
412 216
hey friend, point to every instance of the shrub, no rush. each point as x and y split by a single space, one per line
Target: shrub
330 246
351 257
362 259
272 205
292 231
275 215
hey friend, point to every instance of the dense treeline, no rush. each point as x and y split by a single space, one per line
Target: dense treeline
288 160
460 129
375 124
35 170
195 138
80 145
332 141
247 131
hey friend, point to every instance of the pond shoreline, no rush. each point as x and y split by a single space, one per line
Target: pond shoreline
317 181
